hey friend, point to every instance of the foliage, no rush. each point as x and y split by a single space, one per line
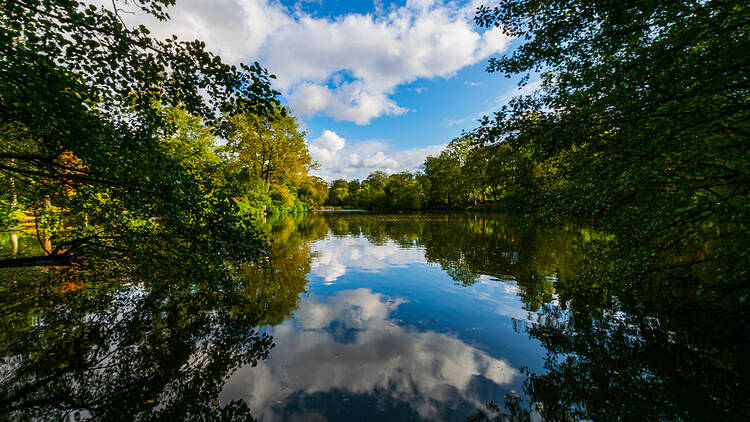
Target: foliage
270 148
9 216
112 129
464 175
338 193
405 192
267 162
641 123
313 191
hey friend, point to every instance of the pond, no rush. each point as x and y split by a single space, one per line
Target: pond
361 317
406 317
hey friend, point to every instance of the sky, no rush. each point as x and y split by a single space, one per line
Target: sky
376 85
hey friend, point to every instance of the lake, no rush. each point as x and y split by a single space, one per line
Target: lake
360 317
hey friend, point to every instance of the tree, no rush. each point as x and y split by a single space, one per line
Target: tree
270 148
449 186
339 192
372 194
314 191
404 192
354 187
188 139
644 116
85 132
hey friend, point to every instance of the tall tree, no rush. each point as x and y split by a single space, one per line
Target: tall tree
314 191
339 192
449 186
271 148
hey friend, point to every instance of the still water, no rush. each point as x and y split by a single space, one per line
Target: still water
404 317
356 317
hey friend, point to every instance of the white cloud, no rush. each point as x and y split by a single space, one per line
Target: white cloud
345 67
236 30
324 148
350 102
337 159
380 160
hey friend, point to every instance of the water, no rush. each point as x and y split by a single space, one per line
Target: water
358 317
397 322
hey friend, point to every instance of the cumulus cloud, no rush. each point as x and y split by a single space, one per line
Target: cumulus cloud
345 67
337 159
237 30
325 148
349 101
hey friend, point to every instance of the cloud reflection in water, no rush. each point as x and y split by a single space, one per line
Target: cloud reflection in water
333 255
349 342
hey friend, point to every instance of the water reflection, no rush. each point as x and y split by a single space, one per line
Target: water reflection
129 340
72 345
350 344
389 329
362 317
335 254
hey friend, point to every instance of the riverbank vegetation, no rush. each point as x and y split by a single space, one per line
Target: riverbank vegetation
114 144
465 175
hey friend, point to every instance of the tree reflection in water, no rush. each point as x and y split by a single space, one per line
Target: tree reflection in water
158 342
121 350
149 342
621 344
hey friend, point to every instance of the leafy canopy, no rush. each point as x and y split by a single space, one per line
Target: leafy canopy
107 131
641 122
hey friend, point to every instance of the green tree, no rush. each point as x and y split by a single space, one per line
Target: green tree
87 143
373 194
339 192
449 187
354 187
188 139
405 192
641 122
270 148
314 191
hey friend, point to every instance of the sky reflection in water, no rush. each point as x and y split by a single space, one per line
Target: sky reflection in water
370 317
382 333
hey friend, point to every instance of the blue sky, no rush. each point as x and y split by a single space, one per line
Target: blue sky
377 85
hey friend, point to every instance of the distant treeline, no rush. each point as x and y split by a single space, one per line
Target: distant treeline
464 175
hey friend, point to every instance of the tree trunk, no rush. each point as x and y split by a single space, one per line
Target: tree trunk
13 196
14 243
